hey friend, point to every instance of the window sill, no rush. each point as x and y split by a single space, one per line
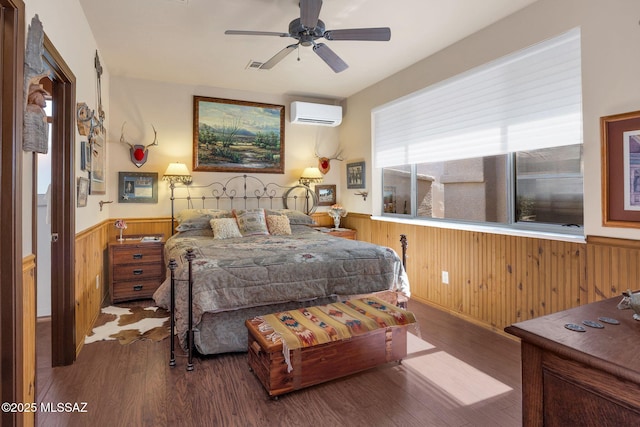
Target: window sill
507 231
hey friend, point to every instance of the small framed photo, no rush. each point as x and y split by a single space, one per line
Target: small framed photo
85 156
83 191
137 187
326 195
355 175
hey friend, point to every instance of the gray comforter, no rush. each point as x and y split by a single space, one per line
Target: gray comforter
254 271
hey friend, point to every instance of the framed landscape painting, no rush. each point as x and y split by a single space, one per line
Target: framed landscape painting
237 136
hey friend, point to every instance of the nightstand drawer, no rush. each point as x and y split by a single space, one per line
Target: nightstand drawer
134 289
132 255
137 271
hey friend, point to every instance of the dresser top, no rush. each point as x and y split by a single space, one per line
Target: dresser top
613 348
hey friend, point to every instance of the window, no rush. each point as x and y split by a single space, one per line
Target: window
499 144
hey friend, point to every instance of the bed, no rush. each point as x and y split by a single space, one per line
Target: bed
234 277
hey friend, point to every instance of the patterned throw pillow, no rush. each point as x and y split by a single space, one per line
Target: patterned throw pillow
198 219
251 221
278 225
225 228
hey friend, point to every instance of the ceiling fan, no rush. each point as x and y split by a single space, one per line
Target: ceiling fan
308 28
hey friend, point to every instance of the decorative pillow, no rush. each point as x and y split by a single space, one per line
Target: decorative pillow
251 221
198 219
278 225
295 217
225 228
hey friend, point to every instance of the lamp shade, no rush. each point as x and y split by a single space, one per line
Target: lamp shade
311 174
177 172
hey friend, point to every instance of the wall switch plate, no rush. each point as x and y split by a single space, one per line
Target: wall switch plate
445 277
97 281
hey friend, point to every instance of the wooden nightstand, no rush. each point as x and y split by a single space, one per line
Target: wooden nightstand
136 267
345 233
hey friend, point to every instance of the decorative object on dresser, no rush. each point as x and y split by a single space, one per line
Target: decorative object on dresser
590 377
121 225
336 212
299 348
136 266
237 136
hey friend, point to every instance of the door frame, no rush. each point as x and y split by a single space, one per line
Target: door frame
12 46
63 219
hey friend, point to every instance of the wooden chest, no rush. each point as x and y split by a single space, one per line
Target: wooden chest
324 362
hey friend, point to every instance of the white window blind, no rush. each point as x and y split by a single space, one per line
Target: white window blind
527 100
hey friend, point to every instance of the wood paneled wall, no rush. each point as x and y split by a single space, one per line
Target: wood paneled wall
496 280
28 365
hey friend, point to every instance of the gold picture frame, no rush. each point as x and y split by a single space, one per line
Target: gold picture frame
237 136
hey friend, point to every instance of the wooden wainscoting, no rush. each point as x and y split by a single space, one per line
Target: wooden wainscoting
613 266
494 280
28 365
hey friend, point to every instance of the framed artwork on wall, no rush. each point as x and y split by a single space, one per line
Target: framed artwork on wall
83 191
356 175
237 136
326 195
98 161
137 187
620 139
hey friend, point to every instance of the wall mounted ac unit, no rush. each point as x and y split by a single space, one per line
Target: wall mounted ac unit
315 114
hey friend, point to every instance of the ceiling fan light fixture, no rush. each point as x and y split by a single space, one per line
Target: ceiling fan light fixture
308 28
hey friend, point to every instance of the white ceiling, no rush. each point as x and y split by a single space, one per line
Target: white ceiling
183 41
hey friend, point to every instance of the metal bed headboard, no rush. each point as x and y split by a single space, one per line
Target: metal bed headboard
241 192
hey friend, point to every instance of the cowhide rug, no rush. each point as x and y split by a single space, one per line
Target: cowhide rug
130 324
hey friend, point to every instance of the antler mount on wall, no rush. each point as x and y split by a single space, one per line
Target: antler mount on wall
139 153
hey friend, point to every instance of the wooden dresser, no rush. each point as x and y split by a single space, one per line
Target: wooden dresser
136 268
345 233
589 378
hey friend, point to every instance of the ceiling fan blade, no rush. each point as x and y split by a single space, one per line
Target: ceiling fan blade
278 57
310 12
382 34
330 57
255 33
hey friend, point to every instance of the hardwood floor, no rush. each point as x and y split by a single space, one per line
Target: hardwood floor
460 375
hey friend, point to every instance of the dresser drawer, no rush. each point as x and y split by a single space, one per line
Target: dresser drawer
136 289
132 255
137 271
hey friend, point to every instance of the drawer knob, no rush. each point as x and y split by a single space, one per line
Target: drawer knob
137 256
137 288
137 272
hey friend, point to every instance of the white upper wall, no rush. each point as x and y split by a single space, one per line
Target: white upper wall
610 64
65 25
169 107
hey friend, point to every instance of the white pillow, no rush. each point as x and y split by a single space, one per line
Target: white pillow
225 228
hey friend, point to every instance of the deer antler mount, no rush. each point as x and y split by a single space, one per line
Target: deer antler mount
324 163
139 152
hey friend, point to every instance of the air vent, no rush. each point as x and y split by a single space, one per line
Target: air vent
254 65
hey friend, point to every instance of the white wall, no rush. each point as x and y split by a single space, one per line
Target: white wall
610 64
169 107
65 24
